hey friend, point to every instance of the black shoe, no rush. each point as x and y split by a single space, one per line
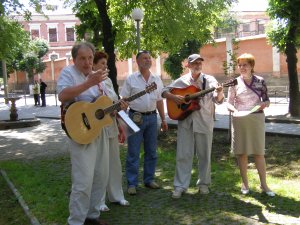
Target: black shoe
96 221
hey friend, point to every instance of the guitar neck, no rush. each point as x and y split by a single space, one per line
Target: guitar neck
135 96
117 106
198 94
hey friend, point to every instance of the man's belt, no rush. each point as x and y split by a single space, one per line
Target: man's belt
143 113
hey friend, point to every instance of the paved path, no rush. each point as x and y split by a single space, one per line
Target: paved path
48 137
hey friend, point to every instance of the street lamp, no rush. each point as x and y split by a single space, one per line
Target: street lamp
137 15
68 57
53 57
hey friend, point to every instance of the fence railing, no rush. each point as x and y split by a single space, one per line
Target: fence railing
278 92
25 87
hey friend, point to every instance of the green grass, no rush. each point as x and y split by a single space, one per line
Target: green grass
45 183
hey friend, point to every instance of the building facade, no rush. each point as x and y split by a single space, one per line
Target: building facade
58 30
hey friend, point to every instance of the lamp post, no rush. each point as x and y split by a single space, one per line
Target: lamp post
137 15
68 57
53 57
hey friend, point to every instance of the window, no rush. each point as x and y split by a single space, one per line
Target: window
70 31
261 27
52 35
34 31
246 27
70 34
52 32
35 34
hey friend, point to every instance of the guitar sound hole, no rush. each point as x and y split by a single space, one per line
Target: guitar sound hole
99 114
184 106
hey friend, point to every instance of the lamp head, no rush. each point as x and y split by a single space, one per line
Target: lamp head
137 14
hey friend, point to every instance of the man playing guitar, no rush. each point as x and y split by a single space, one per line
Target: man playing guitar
89 167
196 130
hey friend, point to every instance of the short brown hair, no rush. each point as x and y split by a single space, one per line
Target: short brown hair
100 55
248 57
79 45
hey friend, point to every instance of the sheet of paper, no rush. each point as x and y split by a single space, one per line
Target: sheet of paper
127 125
255 108
245 113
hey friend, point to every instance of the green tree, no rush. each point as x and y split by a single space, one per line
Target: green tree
166 27
13 38
31 62
173 64
285 35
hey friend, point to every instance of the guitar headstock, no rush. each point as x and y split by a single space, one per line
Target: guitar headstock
230 83
151 87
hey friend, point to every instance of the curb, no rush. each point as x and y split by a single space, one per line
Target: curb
278 120
32 218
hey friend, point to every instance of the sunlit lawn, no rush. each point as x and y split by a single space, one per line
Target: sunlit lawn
45 183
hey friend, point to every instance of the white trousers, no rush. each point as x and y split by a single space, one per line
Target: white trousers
189 142
114 185
90 168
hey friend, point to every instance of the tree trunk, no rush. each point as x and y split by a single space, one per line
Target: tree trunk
108 41
291 54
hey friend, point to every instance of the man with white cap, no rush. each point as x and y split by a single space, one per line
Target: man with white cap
195 132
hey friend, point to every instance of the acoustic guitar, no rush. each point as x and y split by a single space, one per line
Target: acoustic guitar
191 100
85 120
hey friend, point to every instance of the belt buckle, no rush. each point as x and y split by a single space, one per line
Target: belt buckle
137 118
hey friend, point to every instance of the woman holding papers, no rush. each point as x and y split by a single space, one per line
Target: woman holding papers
246 101
114 184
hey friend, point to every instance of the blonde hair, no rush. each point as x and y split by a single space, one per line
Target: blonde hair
249 58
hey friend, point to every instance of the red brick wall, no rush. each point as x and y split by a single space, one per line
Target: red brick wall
213 54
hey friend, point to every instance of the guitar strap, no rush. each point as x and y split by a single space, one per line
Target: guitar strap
63 110
204 83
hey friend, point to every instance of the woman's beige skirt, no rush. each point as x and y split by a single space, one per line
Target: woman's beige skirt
248 134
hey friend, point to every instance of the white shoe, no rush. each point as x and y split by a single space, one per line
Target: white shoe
203 189
245 191
104 208
124 202
177 193
270 193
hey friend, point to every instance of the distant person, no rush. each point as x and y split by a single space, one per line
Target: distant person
43 87
195 132
36 93
248 131
143 113
114 185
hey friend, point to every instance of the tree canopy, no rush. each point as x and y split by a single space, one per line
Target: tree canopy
17 51
12 38
167 25
285 35
31 60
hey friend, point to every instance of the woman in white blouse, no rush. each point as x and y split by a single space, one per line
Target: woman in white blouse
246 101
